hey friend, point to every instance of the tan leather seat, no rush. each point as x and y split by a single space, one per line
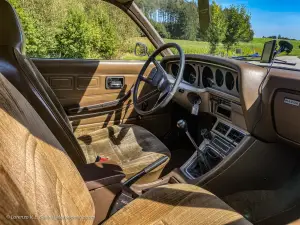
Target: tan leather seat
177 204
39 184
130 151
132 147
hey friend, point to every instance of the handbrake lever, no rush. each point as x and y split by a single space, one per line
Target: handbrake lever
146 170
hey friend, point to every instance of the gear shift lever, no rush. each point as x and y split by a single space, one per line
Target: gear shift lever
182 124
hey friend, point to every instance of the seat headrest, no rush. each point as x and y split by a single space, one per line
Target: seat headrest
11 33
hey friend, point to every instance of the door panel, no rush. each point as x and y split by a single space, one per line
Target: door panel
82 82
80 86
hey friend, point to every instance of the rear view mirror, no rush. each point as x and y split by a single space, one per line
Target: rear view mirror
286 46
140 49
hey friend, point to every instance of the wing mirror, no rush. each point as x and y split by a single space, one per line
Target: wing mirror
285 46
140 49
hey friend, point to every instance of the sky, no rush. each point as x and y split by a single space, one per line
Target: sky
271 17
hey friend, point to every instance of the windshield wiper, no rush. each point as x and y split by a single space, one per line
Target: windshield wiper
246 57
278 61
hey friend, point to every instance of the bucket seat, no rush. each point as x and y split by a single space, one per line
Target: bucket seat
132 147
39 184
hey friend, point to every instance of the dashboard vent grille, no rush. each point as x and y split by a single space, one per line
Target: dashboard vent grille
226 103
235 135
222 128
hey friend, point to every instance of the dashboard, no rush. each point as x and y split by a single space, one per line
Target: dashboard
266 107
215 85
208 75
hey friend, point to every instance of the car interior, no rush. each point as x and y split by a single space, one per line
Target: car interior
189 139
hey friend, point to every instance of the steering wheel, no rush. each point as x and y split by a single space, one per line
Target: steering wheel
163 83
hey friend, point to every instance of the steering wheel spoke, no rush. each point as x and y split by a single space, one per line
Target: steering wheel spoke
158 78
163 94
146 80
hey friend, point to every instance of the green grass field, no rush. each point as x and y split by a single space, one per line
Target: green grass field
200 47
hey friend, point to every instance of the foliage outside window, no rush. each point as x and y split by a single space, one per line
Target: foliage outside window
178 21
88 29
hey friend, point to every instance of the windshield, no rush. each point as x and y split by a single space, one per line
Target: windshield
237 28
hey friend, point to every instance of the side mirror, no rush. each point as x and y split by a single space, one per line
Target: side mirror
285 46
140 49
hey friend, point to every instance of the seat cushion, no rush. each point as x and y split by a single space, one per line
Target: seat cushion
177 204
132 147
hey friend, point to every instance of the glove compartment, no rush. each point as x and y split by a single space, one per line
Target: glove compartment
286 114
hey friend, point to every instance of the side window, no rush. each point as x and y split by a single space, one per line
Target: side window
81 29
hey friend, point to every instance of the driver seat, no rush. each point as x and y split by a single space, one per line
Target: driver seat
132 147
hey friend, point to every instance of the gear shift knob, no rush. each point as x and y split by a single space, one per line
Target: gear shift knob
181 124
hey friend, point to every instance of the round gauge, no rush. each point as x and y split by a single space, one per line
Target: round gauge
219 78
229 81
189 74
192 78
237 85
207 75
175 69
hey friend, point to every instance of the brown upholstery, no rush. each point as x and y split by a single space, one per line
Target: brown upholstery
23 74
132 147
177 204
37 178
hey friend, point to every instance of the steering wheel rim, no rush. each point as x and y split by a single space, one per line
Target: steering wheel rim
159 79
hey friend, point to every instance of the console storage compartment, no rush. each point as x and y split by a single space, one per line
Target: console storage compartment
103 179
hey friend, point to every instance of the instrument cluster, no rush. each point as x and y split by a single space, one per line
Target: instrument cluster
204 75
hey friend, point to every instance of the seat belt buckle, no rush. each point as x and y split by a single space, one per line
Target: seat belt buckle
101 159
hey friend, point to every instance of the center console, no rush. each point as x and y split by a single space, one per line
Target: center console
103 180
217 144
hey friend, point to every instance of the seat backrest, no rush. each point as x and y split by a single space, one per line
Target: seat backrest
39 184
23 74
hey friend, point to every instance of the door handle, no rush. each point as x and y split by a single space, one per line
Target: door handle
114 82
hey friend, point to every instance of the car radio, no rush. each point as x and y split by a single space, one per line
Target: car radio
221 107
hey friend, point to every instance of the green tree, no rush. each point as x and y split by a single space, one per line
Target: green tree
188 23
103 33
217 27
34 37
75 38
179 17
238 26
160 28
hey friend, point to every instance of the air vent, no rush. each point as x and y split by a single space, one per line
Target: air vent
235 135
222 128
